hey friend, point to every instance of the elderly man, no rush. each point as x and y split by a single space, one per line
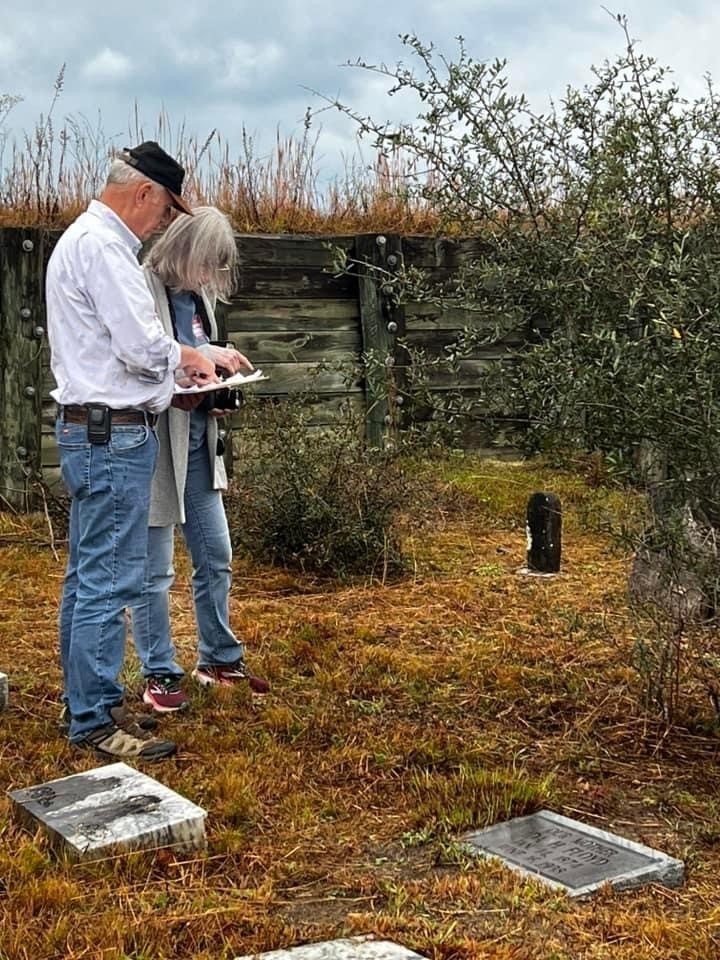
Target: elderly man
115 371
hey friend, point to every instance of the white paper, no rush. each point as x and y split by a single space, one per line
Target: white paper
234 382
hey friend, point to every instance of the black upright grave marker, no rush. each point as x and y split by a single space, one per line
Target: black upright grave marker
544 533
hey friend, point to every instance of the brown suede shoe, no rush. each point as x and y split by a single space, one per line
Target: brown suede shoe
144 720
124 739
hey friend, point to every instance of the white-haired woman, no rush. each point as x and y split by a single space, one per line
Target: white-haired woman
188 268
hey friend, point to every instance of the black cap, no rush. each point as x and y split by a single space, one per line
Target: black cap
150 158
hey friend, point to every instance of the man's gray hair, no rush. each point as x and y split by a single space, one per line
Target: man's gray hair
197 251
121 172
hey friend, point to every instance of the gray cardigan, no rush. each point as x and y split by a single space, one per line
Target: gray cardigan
167 498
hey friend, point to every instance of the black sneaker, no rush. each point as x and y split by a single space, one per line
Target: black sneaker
123 739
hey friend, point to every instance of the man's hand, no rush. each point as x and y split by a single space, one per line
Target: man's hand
197 367
231 359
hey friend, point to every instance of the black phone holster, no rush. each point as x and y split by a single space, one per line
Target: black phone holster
99 422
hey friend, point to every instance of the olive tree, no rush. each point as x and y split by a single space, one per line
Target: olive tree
600 229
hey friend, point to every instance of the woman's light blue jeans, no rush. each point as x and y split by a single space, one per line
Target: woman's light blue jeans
110 489
207 537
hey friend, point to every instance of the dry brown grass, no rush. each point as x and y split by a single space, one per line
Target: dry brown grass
458 696
48 177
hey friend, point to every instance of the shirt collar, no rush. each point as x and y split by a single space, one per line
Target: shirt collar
100 210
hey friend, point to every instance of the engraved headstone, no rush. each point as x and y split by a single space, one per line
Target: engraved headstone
4 692
110 810
352 948
572 856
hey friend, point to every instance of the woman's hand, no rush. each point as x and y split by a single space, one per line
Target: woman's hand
231 359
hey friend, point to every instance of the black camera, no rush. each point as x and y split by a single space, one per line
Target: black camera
223 398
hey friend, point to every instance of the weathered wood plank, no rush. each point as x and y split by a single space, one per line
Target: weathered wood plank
433 253
289 250
289 347
21 310
304 377
429 316
467 375
435 342
276 282
256 314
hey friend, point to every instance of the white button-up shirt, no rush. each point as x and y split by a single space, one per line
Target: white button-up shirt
106 340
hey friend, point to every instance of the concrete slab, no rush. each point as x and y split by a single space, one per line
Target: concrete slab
109 810
572 856
352 948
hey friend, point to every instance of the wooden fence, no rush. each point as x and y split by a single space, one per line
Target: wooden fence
291 314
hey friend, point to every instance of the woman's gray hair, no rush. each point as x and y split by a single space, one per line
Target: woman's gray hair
197 251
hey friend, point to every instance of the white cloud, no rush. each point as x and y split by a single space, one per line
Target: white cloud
107 65
245 63
188 52
253 65
692 59
8 51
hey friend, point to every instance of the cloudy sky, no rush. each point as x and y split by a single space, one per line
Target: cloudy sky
237 64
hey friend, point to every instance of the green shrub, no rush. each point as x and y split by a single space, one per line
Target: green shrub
313 499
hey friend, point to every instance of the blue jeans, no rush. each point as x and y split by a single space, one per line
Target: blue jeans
110 489
207 537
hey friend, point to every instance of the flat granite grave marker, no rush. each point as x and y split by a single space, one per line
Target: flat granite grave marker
110 810
572 856
351 948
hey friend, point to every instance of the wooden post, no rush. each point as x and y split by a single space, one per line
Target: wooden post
22 335
544 521
382 322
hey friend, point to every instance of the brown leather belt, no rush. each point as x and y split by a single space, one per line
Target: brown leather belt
77 413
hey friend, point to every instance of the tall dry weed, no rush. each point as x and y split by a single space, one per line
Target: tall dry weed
49 174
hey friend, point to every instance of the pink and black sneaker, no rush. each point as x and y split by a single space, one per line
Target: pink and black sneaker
165 695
